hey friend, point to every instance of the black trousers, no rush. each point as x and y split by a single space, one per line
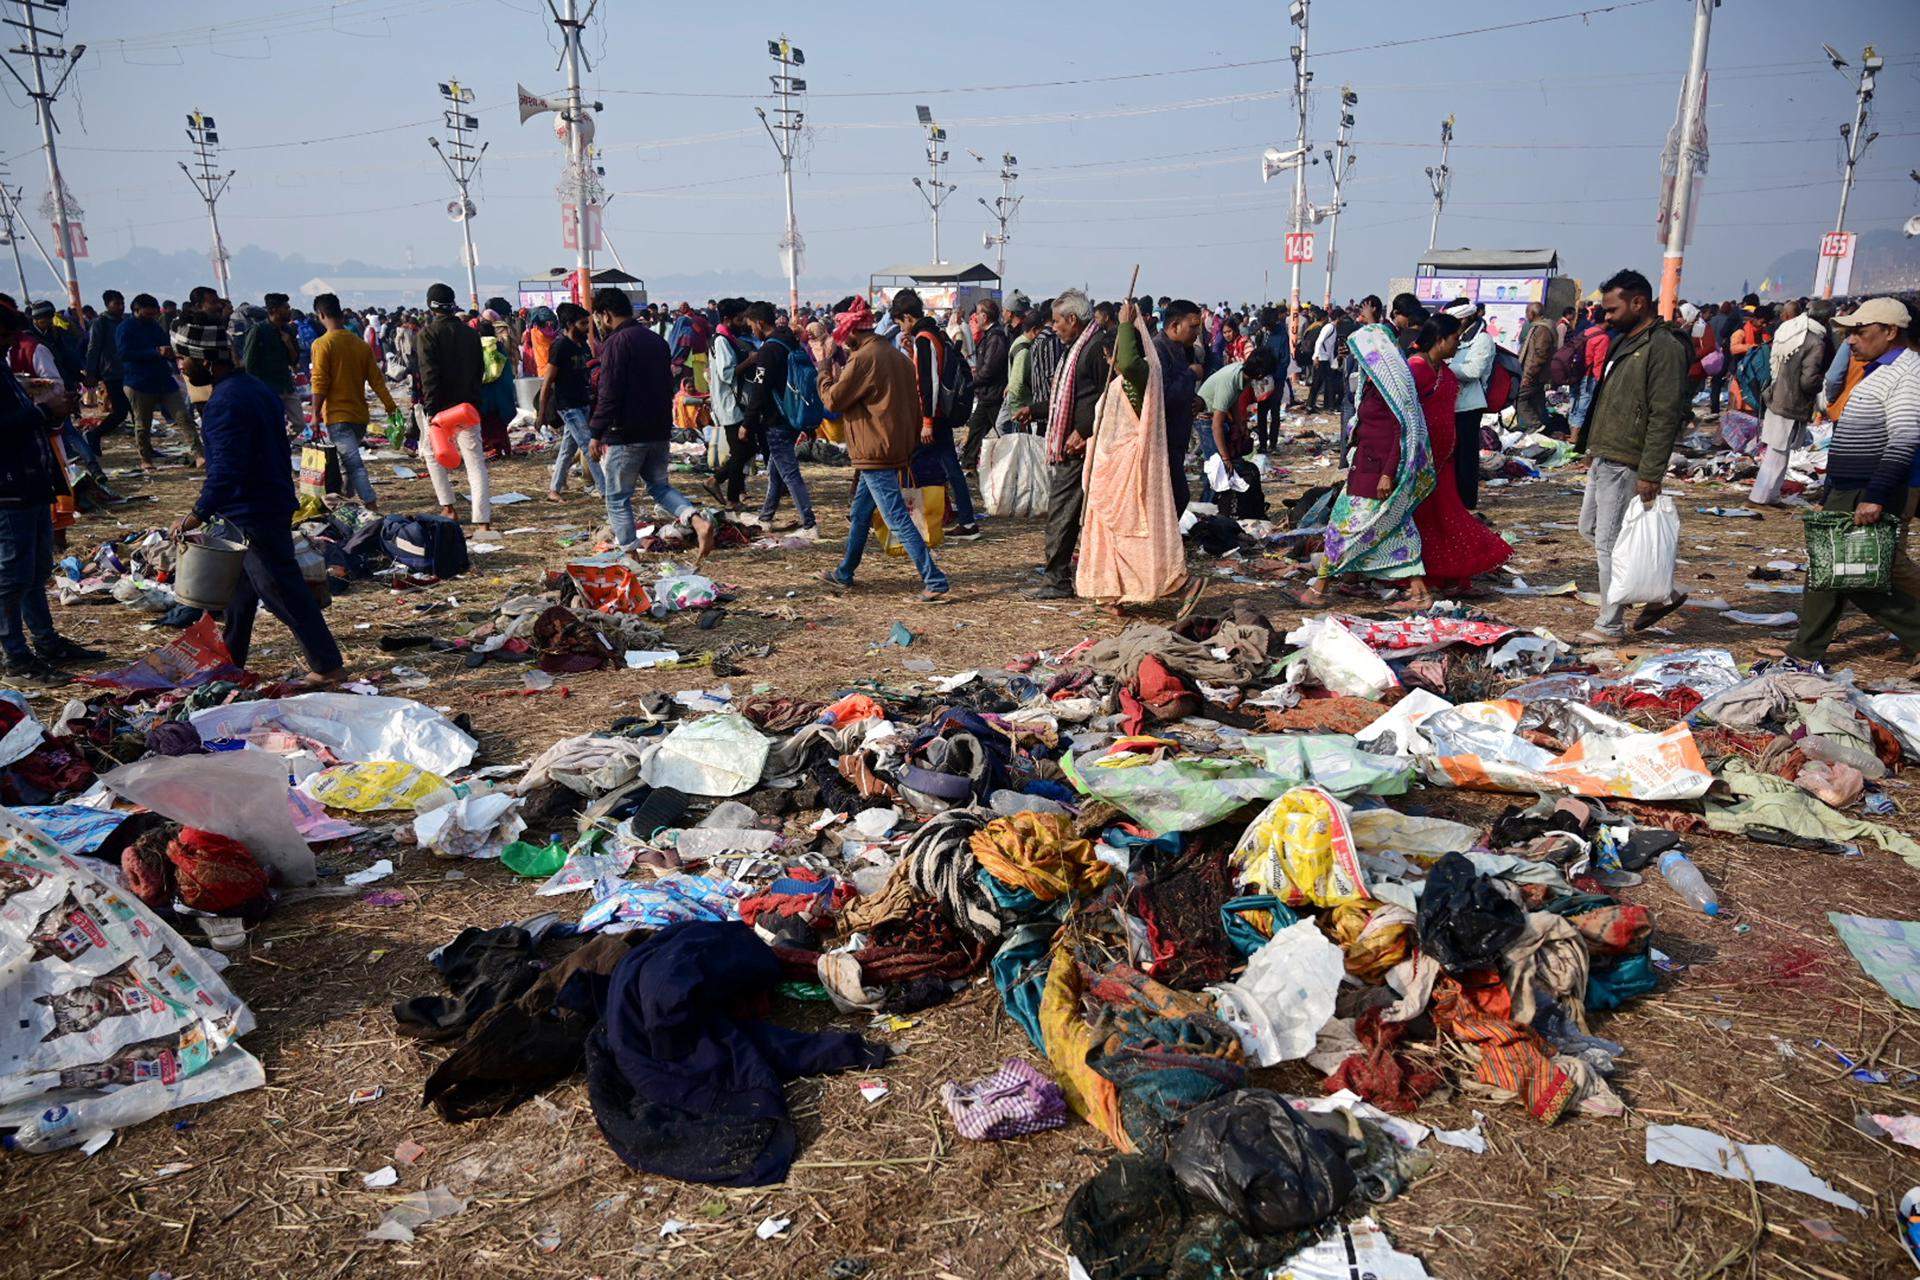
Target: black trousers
986 410
732 474
1820 611
1065 498
272 578
1179 444
1266 422
1466 455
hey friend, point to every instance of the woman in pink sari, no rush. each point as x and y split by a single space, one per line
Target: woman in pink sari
1130 548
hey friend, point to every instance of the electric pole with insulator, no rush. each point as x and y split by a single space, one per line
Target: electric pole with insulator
1002 208
463 162
67 231
790 121
211 185
1340 159
934 191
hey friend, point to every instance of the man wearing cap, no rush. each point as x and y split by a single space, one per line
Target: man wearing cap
450 368
877 399
1868 468
250 485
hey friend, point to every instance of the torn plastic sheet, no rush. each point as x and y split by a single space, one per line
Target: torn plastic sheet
26 735
1279 1004
1476 747
238 794
195 657
101 995
85 1117
1176 795
75 828
1399 727
1332 761
1708 1152
1705 671
471 826
1353 1249
415 1211
354 727
718 755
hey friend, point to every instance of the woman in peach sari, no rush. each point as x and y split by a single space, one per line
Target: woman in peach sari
1130 547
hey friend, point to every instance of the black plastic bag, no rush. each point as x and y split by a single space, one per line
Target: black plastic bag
1132 1221
1251 1157
1465 922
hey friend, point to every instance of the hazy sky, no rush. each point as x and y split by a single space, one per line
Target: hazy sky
1558 131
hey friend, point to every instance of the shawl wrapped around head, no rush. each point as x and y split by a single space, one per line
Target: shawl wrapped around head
1130 547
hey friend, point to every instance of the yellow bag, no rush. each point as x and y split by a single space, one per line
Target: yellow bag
927 504
373 786
1301 850
316 462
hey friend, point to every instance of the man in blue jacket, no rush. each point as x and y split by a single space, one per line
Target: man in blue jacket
249 483
103 362
146 364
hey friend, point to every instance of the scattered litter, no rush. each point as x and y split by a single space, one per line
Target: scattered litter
1708 1152
873 1090
361 1097
771 1227
384 1176
416 1211
378 871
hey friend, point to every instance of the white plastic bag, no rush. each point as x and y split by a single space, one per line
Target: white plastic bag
238 794
355 727
720 755
1645 553
1286 995
1013 474
1341 661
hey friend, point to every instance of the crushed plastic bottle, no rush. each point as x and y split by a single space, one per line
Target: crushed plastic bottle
1688 882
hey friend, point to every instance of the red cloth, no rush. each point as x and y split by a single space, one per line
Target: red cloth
213 873
1454 545
1157 694
1376 445
1381 1075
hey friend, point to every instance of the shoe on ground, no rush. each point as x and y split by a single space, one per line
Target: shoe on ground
1594 635
964 533
31 669
810 533
1652 613
1050 591
61 649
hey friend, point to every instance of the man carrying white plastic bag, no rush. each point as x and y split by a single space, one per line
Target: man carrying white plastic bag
1640 404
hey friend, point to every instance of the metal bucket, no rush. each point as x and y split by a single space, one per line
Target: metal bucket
209 569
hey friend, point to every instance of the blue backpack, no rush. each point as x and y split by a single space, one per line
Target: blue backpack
799 399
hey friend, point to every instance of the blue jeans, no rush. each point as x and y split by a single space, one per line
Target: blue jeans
785 476
959 500
272 578
574 438
627 466
1582 402
26 562
348 438
880 491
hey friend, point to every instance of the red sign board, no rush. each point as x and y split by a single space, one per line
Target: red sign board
1836 244
1300 246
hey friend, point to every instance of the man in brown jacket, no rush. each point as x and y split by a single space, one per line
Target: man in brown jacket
877 400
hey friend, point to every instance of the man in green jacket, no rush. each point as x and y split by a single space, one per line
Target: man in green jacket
1640 404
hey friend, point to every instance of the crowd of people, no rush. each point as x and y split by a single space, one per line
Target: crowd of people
1127 400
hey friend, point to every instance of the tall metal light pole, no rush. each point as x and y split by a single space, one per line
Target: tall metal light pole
211 186
1004 206
462 162
43 99
1688 152
1855 136
786 84
1440 179
572 24
934 191
9 201
1297 223
1341 160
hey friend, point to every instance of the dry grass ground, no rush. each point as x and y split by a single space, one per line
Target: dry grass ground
270 1183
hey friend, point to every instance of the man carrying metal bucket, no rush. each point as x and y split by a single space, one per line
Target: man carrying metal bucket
249 483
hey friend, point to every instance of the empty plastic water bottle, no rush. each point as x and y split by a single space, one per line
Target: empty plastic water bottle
1688 882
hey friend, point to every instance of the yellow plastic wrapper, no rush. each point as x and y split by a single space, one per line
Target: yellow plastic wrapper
375 785
1301 850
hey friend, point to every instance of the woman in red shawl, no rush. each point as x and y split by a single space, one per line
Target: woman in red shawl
1455 545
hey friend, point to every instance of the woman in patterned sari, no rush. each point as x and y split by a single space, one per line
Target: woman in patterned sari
1371 533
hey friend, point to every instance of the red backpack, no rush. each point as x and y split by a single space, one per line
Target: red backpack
1499 385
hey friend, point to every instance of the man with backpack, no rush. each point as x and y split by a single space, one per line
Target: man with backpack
450 369
734 436
779 411
946 401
